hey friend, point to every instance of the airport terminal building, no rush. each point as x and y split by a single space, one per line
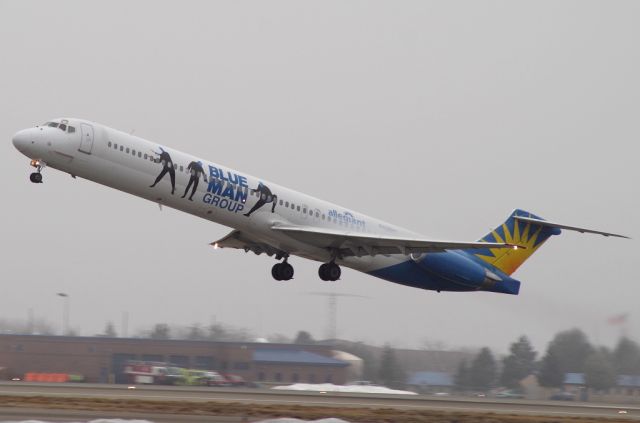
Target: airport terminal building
102 360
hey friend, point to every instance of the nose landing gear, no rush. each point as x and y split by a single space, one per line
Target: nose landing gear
36 177
282 271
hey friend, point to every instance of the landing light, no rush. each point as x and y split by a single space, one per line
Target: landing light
35 163
515 247
215 246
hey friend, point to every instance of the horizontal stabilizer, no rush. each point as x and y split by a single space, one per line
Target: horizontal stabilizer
567 227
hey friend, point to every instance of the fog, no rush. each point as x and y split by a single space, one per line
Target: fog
441 117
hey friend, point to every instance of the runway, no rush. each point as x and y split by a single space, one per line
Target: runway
266 396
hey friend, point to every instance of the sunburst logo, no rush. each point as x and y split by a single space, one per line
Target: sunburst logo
527 235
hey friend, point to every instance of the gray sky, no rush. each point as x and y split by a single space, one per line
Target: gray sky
441 117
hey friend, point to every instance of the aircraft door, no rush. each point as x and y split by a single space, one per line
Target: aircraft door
86 143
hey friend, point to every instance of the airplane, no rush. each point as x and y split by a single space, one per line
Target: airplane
280 222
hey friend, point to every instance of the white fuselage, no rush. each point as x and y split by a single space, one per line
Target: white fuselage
131 164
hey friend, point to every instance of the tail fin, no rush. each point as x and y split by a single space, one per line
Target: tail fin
530 235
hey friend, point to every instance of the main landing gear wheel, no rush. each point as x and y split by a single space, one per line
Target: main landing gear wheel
329 272
282 271
36 177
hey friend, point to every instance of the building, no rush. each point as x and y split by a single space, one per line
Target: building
431 382
101 359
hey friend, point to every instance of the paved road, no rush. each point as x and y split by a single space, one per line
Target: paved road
265 396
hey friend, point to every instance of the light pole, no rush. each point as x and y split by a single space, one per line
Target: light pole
65 312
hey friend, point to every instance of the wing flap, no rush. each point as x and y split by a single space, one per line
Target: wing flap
242 241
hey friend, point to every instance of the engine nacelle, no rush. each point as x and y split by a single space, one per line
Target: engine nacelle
454 267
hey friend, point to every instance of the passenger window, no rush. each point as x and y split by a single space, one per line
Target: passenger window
175 166
293 206
145 156
298 208
63 126
109 144
72 129
115 146
181 169
317 214
310 212
133 152
122 148
304 211
128 150
139 154
280 202
286 204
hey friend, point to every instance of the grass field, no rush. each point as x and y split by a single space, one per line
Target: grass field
253 412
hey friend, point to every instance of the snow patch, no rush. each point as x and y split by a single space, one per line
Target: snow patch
352 389
288 420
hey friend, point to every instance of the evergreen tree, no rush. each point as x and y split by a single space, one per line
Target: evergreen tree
599 372
304 337
390 373
160 331
461 378
626 357
195 333
483 371
518 364
110 330
551 374
572 348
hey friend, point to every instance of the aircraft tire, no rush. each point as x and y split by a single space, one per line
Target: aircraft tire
36 177
322 271
333 272
286 271
275 271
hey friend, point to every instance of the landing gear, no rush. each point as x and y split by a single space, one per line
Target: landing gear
36 177
329 272
282 271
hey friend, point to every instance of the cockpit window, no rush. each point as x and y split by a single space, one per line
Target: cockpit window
64 126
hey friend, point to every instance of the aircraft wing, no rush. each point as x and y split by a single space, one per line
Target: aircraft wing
359 244
243 241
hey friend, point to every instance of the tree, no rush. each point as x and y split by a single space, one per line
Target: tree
390 372
195 333
110 330
518 364
566 353
160 331
572 348
551 374
599 372
304 337
461 378
626 357
483 371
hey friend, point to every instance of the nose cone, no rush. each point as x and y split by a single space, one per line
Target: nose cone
22 139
